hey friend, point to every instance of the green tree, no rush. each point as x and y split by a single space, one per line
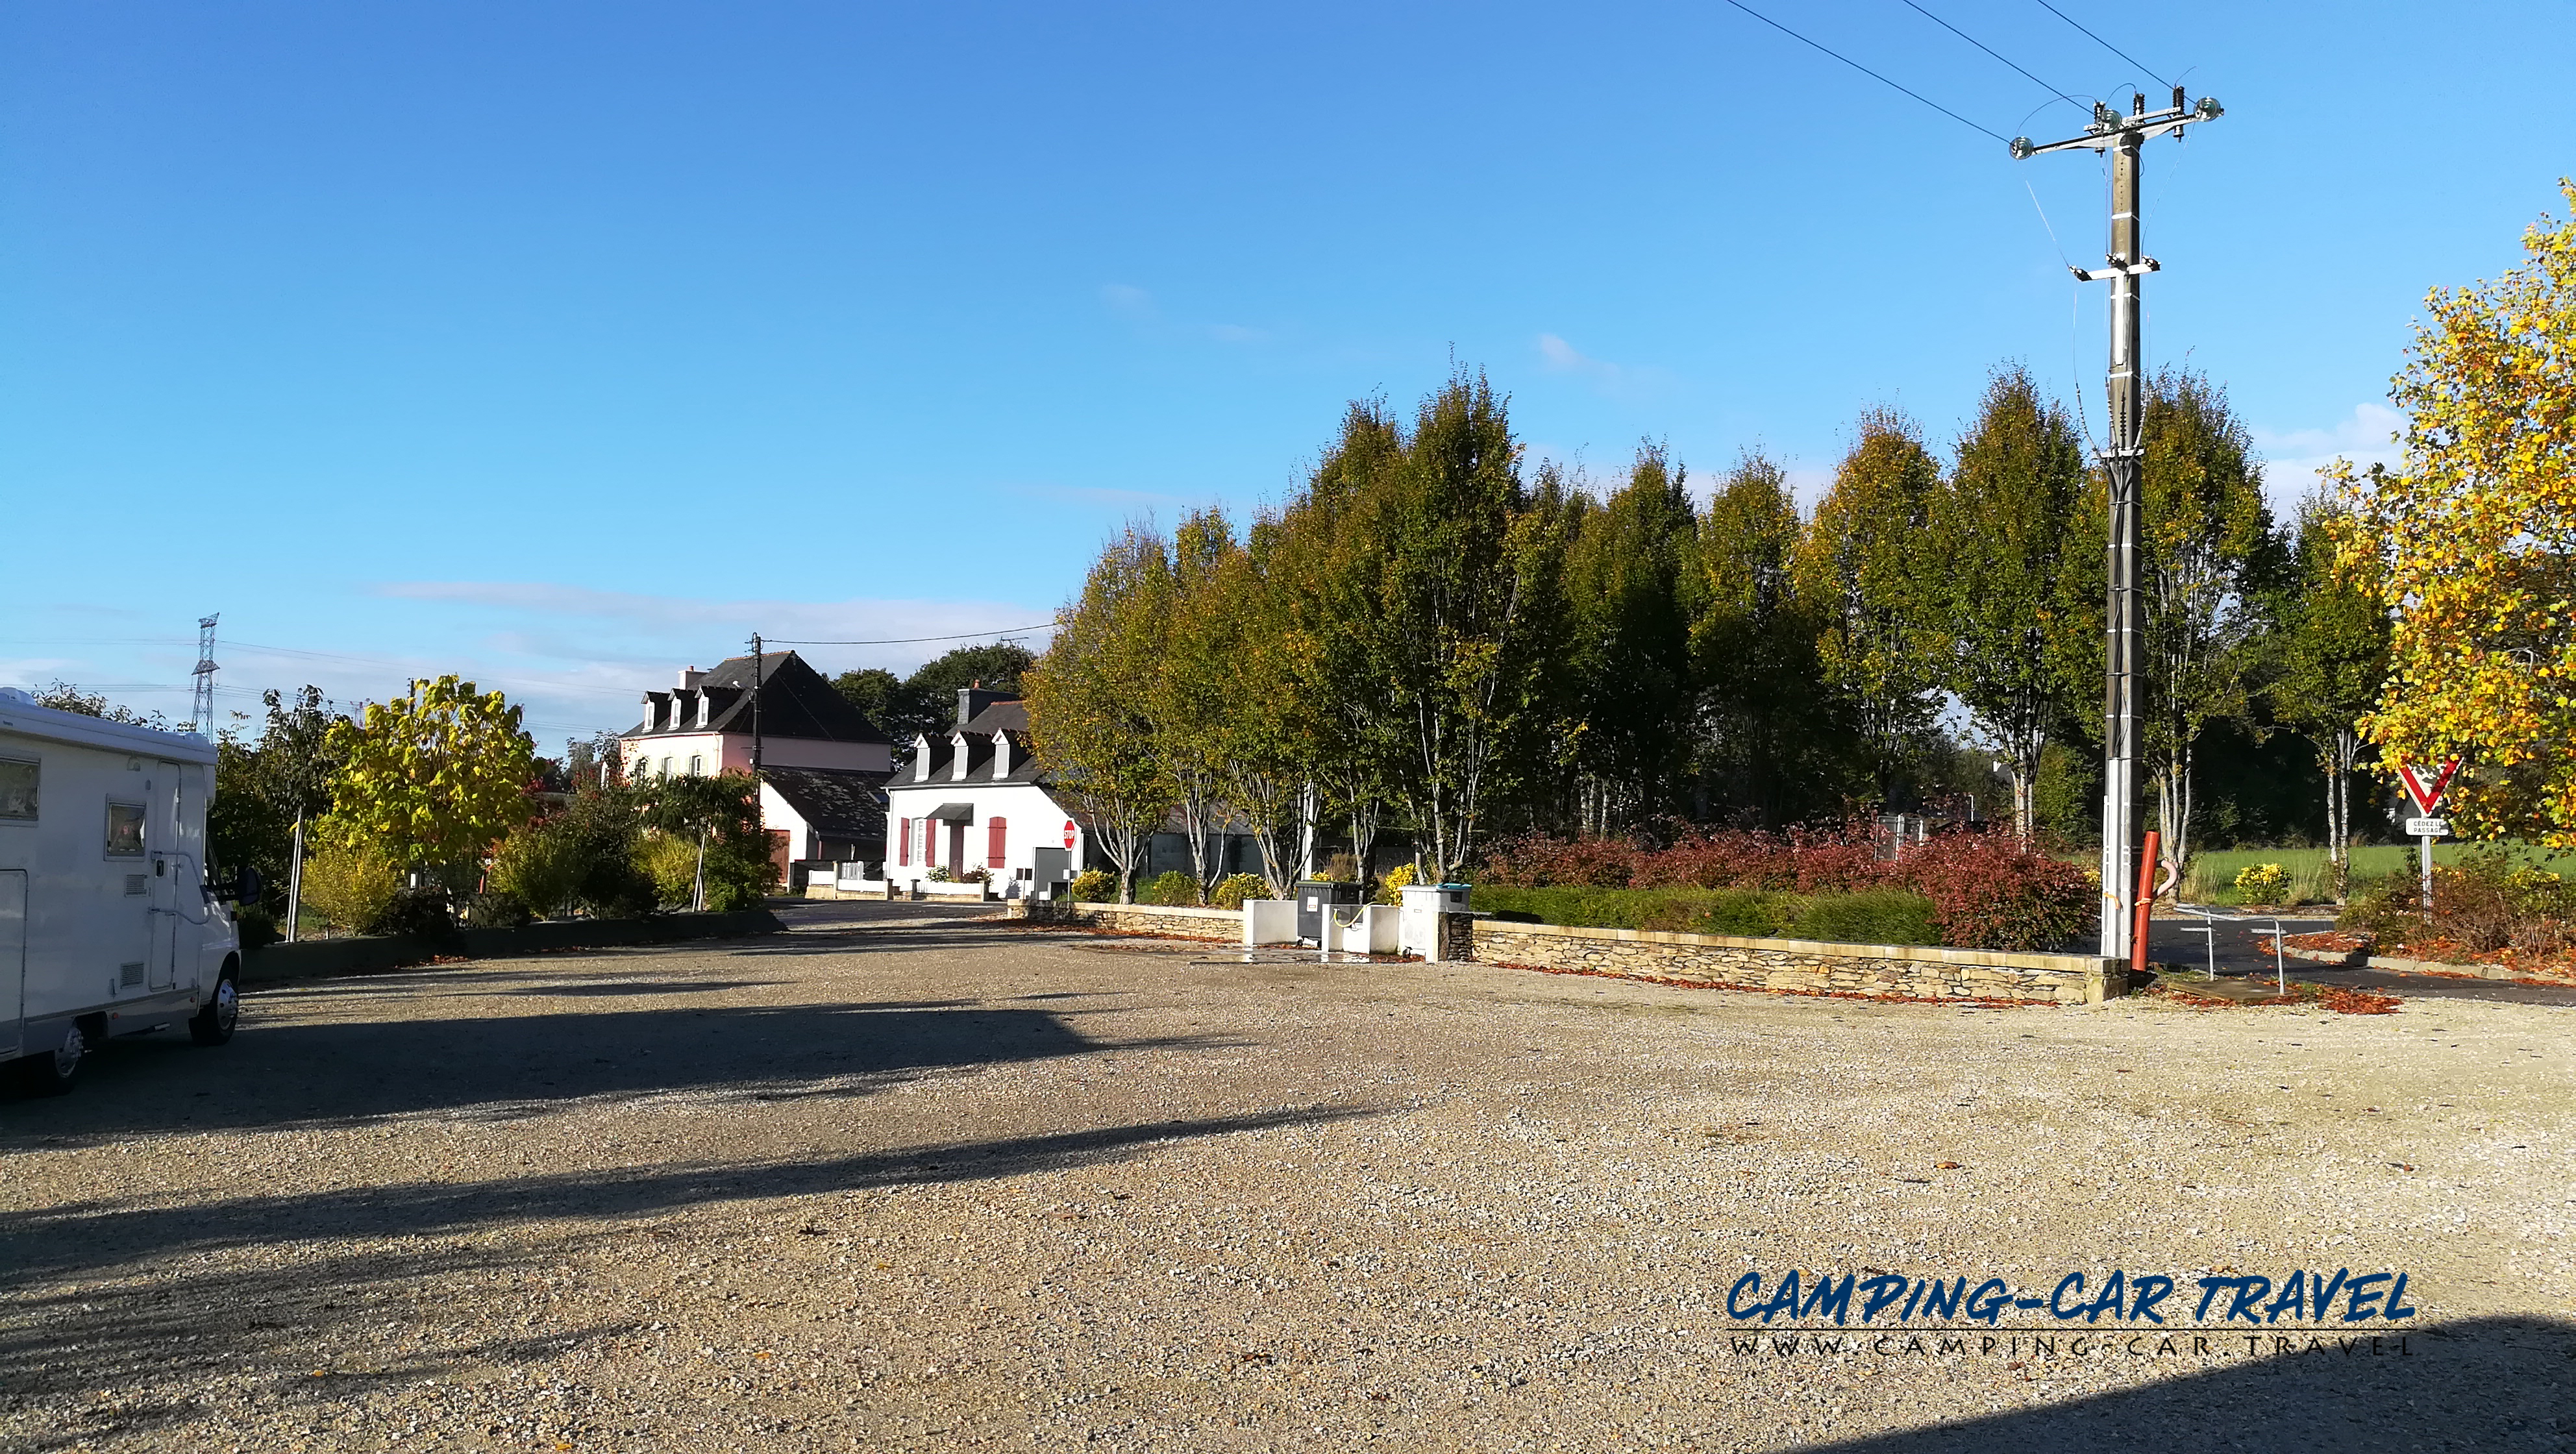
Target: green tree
926 701
1193 683
62 696
1862 568
1628 650
1765 736
2209 565
878 694
719 816
1337 736
1266 724
1461 575
266 789
1997 542
432 779
1088 702
2334 630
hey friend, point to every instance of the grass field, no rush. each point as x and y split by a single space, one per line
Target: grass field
2212 879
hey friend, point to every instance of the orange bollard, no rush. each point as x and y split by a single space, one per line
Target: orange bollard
2146 902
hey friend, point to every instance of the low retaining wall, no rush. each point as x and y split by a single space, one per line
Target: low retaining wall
322 958
1176 923
1804 965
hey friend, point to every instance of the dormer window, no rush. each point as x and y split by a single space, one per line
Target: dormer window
1001 756
957 770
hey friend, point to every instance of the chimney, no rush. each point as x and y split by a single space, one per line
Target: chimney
690 677
971 701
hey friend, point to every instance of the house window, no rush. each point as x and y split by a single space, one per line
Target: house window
17 789
125 830
697 767
666 767
997 846
903 846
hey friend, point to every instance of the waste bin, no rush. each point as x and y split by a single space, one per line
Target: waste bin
1316 898
1418 931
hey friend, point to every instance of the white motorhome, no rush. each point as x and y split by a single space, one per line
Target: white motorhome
108 925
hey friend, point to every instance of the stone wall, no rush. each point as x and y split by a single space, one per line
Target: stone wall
1804 965
1175 923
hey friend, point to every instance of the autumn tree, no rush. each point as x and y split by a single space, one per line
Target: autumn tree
1997 542
1089 717
2475 531
1861 570
431 779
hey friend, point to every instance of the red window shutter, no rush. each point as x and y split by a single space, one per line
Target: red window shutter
998 851
903 845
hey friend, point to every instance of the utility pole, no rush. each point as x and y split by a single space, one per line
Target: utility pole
759 818
2125 138
755 707
201 707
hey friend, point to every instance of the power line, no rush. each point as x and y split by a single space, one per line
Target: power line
1864 70
917 640
1990 50
2106 45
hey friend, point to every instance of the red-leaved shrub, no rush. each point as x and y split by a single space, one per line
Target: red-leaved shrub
1988 891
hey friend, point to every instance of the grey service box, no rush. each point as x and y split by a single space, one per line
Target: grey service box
1315 898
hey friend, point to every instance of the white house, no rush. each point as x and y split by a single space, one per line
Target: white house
823 763
975 799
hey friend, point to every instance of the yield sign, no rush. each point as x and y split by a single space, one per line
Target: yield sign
2425 784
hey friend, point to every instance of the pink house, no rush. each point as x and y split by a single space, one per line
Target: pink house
824 764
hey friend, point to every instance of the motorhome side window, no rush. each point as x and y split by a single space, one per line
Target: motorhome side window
125 830
17 790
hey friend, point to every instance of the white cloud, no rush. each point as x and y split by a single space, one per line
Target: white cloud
2292 457
1138 307
1562 357
1128 300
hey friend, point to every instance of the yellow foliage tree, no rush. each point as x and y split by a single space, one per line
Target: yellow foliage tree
2478 532
433 779
351 883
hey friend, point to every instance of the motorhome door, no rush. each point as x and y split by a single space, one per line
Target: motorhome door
161 824
13 959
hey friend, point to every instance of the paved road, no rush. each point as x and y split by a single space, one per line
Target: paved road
2244 949
924 1181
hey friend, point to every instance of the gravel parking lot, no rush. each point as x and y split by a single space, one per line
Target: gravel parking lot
903 1179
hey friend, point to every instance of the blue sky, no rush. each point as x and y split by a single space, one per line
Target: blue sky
562 345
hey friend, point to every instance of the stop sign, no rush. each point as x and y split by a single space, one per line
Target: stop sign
1068 832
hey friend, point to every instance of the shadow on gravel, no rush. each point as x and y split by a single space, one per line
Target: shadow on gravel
504 1067
154 1341
864 939
77 1236
2478 1383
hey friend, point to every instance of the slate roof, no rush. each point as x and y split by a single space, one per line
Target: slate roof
838 802
795 701
1011 716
